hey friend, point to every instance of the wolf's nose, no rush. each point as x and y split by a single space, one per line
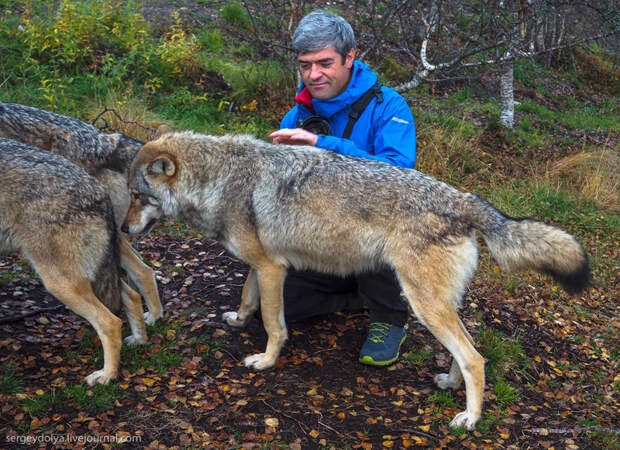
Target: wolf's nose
124 228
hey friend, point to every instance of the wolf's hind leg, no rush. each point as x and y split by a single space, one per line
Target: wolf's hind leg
78 295
433 288
143 277
249 303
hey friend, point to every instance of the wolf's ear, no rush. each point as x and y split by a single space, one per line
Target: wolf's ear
161 130
163 165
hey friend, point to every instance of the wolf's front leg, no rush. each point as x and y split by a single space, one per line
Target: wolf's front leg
249 303
270 277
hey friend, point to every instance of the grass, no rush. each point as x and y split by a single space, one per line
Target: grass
419 356
94 399
502 353
9 383
160 357
7 276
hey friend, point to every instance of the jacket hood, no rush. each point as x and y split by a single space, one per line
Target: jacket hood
362 79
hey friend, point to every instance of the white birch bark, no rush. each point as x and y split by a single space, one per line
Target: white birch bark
507 117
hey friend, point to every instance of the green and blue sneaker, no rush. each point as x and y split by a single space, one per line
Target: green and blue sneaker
382 345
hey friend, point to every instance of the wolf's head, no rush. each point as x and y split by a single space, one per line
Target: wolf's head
152 176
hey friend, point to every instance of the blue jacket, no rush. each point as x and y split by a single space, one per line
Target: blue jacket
385 131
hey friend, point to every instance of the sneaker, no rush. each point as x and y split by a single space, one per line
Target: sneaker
382 347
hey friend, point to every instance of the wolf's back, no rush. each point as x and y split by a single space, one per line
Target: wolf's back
523 244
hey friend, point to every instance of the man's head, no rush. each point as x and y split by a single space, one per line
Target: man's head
325 45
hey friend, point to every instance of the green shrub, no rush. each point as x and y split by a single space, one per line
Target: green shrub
234 14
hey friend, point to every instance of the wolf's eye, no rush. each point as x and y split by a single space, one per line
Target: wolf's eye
150 200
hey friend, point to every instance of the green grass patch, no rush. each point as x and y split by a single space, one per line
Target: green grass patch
7 277
505 394
541 200
94 399
9 383
41 405
586 118
419 356
234 14
443 399
163 356
502 354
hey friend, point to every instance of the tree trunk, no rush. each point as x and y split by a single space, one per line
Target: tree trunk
507 116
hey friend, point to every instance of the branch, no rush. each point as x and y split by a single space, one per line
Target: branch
30 313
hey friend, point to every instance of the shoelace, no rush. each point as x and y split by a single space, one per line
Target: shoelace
378 332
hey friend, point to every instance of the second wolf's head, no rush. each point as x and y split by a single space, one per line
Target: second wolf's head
152 173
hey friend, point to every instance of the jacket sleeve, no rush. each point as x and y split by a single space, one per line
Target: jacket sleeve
290 119
394 136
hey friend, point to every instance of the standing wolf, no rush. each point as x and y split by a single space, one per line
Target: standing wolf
277 207
106 157
62 221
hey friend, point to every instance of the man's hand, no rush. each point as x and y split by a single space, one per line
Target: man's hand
294 136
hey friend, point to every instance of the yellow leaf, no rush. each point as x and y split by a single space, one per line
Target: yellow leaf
39 392
271 422
424 427
388 444
314 434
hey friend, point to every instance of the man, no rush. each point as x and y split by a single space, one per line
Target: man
332 83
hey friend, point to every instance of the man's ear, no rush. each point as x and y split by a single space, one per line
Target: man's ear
348 62
163 165
161 130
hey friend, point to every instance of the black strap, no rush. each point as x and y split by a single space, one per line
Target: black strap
360 105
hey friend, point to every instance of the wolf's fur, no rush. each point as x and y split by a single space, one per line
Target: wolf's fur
62 221
106 157
279 206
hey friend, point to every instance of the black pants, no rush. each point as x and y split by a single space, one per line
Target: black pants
308 294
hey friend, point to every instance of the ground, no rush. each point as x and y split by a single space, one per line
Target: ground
188 387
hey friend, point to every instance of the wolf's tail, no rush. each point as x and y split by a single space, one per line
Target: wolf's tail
522 244
107 283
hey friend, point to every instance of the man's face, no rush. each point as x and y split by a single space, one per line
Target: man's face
324 73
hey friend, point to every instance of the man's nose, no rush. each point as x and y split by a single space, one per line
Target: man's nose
315 73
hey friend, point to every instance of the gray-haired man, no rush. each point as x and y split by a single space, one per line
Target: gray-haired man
335 84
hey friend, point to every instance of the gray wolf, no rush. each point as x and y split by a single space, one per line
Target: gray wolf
278 206
106 157
63 222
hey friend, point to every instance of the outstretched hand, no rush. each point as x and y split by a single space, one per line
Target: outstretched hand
294 136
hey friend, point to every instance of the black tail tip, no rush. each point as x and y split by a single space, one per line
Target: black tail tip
576 281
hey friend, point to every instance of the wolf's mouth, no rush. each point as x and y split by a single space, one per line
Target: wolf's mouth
147 229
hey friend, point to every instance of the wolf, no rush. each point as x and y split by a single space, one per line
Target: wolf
63 222
278 206
106 157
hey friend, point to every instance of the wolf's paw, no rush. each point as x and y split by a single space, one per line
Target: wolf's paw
98 377
465 420
259 361
232 319
150 318
135 340
443 381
